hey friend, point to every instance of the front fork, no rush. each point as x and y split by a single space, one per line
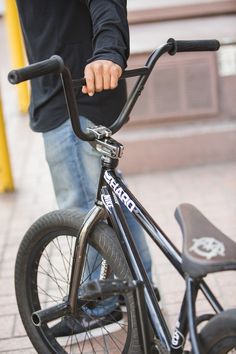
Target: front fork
96 214
69 306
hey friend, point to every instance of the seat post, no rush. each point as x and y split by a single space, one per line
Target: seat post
192 286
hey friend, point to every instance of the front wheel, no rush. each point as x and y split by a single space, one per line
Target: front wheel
42 275
219 334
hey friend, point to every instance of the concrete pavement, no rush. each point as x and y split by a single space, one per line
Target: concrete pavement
211 188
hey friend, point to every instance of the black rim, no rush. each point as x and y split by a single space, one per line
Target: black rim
48 284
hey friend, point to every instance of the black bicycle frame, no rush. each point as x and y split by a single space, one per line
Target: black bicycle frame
111 192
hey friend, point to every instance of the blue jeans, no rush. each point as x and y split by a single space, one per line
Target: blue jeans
75 168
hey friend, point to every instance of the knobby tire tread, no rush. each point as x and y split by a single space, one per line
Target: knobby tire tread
218 333
102 236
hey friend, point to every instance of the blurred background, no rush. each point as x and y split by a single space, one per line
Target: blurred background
180 143
187 115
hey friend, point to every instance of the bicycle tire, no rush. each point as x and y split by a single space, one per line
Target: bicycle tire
41 235
219 334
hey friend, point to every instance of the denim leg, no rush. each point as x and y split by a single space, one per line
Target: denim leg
75 168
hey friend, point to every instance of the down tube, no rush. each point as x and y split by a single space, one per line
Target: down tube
161 239
135 264
149 225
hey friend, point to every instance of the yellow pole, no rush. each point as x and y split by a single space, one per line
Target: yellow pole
17 51
6 180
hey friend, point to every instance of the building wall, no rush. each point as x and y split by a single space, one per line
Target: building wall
1 7
189 100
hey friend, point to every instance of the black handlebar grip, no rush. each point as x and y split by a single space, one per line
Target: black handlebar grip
53 65
193 46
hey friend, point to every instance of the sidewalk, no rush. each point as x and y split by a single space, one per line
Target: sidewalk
211 188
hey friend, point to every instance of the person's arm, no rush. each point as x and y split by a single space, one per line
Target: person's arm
110 44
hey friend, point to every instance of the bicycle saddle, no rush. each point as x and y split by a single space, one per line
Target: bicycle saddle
205 248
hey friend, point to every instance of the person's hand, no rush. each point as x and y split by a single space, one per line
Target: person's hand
101 75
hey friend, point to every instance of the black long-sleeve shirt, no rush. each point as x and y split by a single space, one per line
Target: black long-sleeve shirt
80 31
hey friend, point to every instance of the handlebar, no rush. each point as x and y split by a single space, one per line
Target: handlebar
55 65
193 46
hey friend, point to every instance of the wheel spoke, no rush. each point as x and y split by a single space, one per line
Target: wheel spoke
49 273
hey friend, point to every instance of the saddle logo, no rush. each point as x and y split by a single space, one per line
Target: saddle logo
207 247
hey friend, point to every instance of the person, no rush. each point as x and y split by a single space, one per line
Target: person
92 37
